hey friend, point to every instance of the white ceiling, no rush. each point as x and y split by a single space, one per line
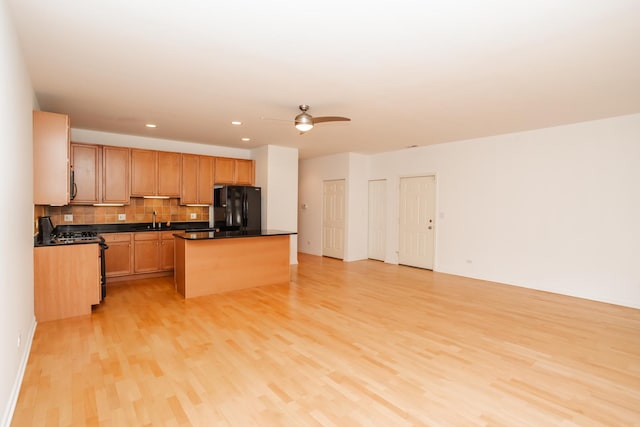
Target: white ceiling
406 72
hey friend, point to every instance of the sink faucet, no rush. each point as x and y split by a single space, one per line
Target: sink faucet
154 219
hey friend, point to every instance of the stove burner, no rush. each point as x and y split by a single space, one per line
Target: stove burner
75 236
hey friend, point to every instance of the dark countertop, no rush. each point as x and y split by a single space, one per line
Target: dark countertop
208 235
117 228
129 227
193 230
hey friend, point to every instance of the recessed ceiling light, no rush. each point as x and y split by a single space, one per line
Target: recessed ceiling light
246 139
151 125
236 123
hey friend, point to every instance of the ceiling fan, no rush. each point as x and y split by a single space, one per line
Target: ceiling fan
304 121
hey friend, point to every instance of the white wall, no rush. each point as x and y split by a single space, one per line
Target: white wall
312 173
16 187
277 174
120 140
554 209
357 194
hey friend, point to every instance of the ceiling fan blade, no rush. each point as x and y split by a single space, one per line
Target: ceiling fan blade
330 119
276 120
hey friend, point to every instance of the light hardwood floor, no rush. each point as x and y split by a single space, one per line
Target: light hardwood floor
344 344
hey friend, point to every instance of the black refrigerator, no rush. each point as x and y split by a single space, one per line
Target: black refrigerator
237 207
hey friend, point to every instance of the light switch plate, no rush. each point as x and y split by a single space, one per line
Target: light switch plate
194 215
122 217
68 218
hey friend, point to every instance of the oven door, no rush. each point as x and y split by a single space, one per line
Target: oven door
103 269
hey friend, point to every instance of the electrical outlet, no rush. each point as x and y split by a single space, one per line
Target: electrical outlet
19 340
122 217
194 215
68 218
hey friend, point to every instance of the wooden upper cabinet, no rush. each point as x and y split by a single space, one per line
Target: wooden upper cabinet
197 179
244 172
115 175
189 193
101 174
85 162
206 166
168 174
234 171
144 170
155 173
51 158
224 170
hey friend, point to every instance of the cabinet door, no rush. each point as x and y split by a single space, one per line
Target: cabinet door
166 251
168 174
85 161
244 172
146 257
189 193
51 152
58 294
205 179
143 172
224 170
119 255
115 175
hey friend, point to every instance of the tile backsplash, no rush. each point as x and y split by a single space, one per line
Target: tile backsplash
140 210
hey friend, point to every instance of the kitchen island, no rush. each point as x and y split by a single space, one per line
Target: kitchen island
211 262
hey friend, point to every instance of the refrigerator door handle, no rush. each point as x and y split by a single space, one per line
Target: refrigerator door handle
245 209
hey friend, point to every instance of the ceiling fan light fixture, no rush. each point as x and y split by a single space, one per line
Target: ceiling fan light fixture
304 122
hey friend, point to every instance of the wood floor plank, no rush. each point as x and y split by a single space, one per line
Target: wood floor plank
341 344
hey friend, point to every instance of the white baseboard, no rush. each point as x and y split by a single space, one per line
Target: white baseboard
15 391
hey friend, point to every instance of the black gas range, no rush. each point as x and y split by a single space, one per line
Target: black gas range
71 237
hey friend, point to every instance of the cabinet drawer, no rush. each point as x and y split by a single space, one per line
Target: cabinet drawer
167 235
117 237
146 235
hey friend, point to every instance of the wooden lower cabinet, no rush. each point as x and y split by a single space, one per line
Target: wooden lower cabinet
130 254
146 252
211 266
119 256
153 252
166 250
66 280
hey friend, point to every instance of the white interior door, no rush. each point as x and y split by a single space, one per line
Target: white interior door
377 219
333 219
417 221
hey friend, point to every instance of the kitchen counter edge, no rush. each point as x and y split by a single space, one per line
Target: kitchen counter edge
209 235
